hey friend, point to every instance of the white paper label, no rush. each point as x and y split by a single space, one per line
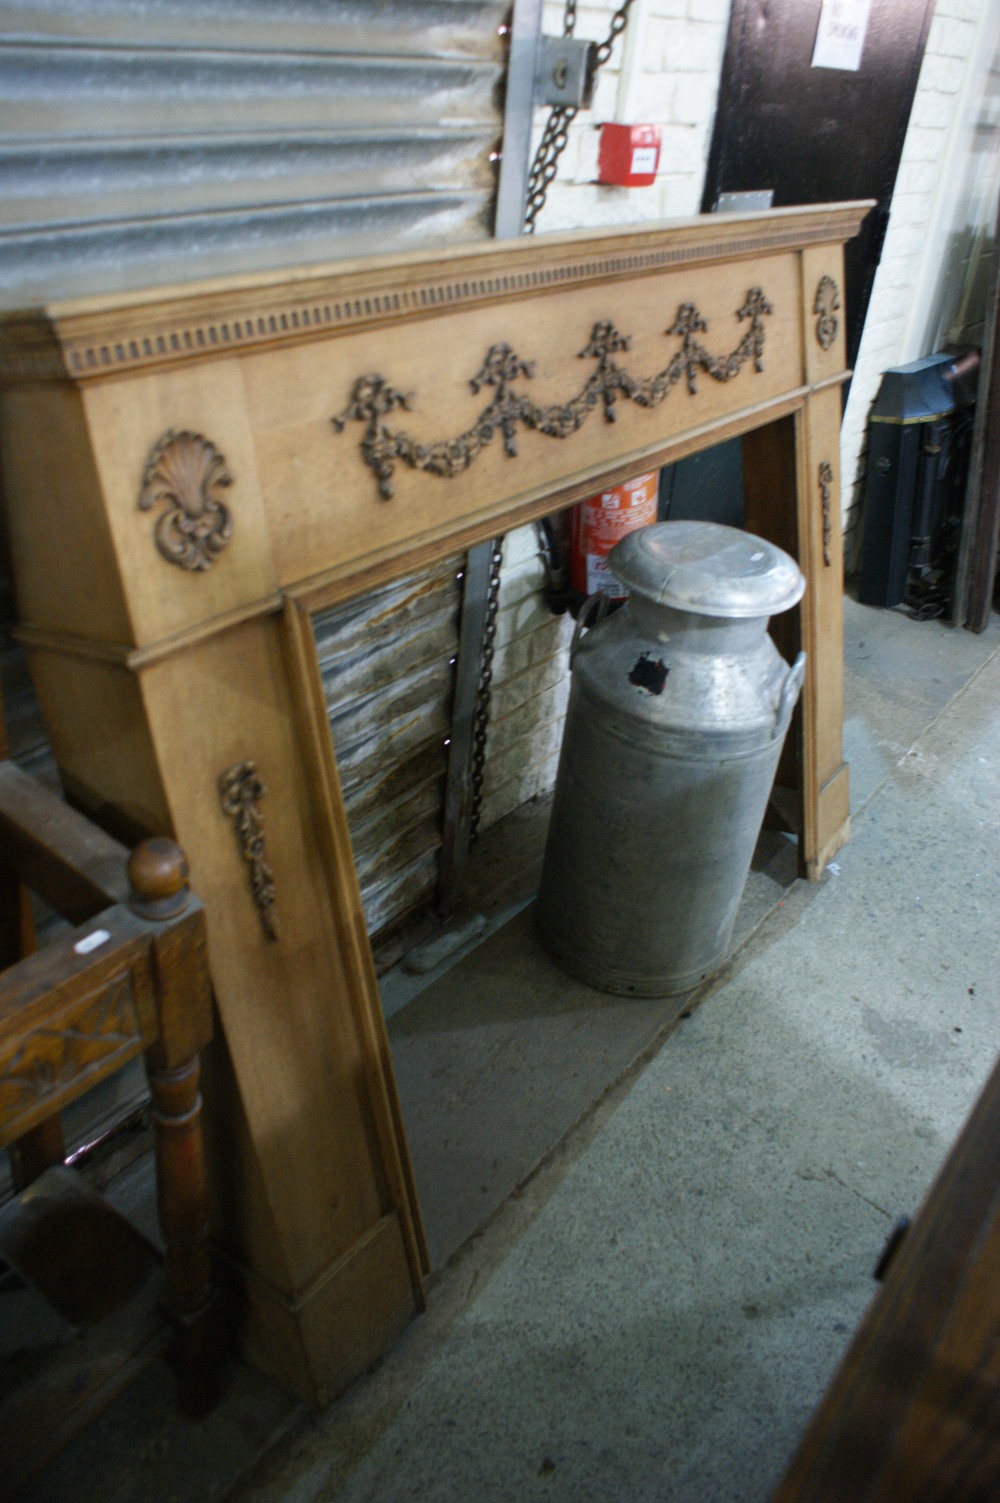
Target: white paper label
600 577
91 941
643 159
840 38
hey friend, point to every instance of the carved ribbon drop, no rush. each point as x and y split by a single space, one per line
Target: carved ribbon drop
825 490
374 399
187 472
241 790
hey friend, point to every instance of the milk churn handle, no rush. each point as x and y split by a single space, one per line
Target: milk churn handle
790 691
602 610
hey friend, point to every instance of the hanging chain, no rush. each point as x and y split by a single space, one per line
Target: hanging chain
555 136
481 718
615 30
554 140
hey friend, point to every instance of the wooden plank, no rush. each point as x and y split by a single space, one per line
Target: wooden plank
799 457
68 1020
821 557
283 992
914 1410
310 703
770 477
137 465
65 858
342 580
977 555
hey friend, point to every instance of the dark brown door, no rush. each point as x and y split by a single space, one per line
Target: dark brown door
817 135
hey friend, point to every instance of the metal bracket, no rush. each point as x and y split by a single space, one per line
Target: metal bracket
744 203
564 71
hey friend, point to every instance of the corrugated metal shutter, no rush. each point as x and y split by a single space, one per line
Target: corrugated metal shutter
148 140
145 141
388 665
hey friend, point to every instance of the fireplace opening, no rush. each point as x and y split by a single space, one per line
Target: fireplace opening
497 1053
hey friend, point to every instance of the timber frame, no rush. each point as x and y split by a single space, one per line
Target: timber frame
193 472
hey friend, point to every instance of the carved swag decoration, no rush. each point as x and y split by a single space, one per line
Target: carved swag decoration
241 790
827 306
187 472
374 399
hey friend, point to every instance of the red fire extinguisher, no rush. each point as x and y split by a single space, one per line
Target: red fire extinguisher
600 522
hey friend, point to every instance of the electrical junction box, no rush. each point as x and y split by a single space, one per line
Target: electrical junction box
628 155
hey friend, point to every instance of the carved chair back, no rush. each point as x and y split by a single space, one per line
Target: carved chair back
127 976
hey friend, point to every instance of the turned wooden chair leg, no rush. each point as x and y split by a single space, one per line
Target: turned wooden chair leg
158 872
182 1199
181 1191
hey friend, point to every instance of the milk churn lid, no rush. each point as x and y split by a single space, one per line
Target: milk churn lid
708 569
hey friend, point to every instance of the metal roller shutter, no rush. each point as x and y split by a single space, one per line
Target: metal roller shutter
144 141
388 666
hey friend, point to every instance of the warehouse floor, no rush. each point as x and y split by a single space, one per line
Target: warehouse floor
654 1234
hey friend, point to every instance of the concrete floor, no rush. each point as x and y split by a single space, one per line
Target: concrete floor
656 1310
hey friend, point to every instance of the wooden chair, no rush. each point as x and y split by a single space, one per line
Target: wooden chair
129 978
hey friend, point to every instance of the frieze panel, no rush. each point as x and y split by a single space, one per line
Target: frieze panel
373 398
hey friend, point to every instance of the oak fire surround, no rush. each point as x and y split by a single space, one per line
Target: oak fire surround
191 473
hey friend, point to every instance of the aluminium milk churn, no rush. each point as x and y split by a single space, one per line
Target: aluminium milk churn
677 714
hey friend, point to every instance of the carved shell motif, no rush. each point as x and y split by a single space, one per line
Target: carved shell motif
186 472
827 306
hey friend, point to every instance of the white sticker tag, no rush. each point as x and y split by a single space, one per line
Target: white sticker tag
643 159
840 37
91 941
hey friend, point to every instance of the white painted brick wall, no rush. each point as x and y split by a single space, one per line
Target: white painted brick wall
530 683
938 207
672 52
943 75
